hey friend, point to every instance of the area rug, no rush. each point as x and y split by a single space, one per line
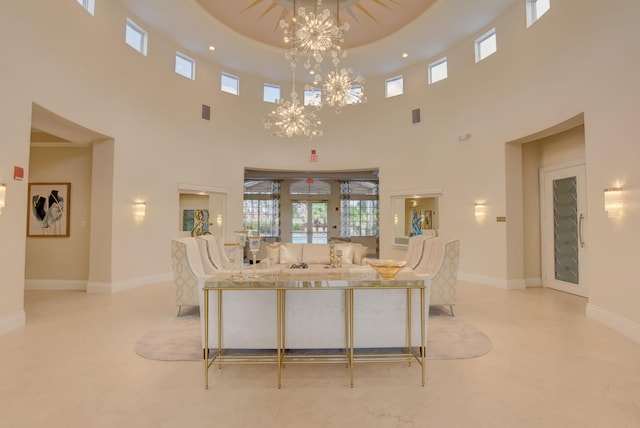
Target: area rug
178 338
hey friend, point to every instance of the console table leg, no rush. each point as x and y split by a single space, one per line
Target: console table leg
409 323
423 348
220 328
280 327
346 327
206 339
351 336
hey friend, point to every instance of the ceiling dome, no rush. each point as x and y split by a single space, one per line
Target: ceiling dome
246 33
369 20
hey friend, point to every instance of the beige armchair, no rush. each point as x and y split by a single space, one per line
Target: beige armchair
418 249
441 271
188 271
214 251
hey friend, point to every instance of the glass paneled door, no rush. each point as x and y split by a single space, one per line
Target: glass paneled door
309 222
563 207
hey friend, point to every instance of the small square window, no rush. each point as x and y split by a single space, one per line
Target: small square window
271 93
136 37
89 5
486 45
230 84
438 70
394 87
185 66
535 9
355 95
312 97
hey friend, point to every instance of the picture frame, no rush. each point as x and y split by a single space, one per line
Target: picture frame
49 210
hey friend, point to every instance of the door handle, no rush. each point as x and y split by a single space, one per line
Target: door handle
580 223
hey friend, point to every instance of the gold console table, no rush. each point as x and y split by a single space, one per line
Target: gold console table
283 282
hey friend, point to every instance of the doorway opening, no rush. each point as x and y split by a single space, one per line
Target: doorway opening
309 222
555 147
63 151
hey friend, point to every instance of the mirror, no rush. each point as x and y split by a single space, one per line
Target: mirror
413 213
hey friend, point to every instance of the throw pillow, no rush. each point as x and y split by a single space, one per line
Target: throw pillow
273 252
347 253
290 253
315 253
359 253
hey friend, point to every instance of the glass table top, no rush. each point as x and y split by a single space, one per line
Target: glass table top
316 278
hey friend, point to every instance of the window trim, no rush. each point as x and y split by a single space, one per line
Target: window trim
88 5
224 75
532 11
483 38
271 85
314 94
138 29
188 59
356 96
435 64
390 80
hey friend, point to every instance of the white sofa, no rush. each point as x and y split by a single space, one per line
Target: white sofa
315 256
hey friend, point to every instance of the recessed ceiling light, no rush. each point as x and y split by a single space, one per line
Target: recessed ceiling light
212 48
405 55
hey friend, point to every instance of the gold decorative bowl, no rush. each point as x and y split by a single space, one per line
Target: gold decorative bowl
388 268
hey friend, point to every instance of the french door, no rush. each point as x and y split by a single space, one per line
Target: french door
563 225
309 222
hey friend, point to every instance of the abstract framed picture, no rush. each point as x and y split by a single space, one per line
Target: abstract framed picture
48 214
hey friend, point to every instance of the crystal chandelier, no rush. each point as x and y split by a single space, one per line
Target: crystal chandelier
312 37
341 88
293 118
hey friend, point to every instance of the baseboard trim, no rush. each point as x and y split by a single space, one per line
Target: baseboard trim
616 322
509 284
533 282
55 284
12 322
116 287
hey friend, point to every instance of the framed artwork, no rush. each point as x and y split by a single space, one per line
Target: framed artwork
195 221
48 214
427 220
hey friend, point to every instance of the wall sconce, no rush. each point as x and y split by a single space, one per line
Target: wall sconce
219 220
480 211
613 202
139 210
3 194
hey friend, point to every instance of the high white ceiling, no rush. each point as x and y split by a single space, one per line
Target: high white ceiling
243 31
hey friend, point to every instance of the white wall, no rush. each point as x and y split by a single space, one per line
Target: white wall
66 259
580 57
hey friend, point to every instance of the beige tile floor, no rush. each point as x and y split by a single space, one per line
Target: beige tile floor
73 365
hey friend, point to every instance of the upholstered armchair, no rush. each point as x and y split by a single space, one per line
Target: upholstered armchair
416 248
441 271
188 271
214 252
414 251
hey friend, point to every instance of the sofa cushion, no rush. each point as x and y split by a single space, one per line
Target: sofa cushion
273 252
359 253
316 253
347 252
290 253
